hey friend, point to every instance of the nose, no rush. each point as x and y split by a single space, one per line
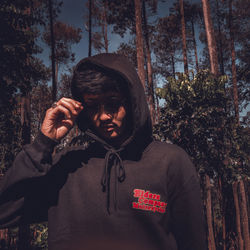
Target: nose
104 114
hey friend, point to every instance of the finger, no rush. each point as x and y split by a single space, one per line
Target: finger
70 100
60 112
72 105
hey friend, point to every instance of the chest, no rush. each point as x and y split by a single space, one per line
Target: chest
142 192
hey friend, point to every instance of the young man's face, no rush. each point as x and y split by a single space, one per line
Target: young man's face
108 114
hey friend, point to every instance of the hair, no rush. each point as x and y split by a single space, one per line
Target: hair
91 79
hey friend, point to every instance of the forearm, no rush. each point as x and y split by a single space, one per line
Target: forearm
32 163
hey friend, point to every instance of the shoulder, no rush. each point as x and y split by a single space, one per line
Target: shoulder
75 153
171 157
165 149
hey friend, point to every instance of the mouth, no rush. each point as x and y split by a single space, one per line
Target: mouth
108 127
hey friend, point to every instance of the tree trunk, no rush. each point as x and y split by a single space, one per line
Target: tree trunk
52 46
234 73
184 42
237 214
210 38
105 27
244 216
222 209
173 65
221 57
195 47
149 66
139 43
56 73
211 241
24 230
90 28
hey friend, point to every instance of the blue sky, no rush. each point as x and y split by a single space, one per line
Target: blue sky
72 13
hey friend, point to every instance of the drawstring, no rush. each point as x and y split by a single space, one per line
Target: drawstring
113 157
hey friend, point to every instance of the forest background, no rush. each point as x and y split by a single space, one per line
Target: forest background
193 58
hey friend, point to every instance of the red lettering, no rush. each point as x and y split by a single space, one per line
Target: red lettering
135 205
137 192
141 206
141 200
162 210
158 197
163 204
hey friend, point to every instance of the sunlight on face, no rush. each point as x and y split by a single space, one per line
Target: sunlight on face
107 113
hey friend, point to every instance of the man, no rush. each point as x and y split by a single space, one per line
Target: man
125 191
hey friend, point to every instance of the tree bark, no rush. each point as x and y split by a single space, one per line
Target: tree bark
173 65
139 42
24 230
222 209
237 214
105 27
90 28
210 38
195 47
234 73
221 57
211 240
184 42
56 73
149 66
244 216
52 46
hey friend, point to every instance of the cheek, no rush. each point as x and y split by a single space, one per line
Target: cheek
94 119
121 114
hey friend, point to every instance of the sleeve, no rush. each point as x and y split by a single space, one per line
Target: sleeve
185 205
23 188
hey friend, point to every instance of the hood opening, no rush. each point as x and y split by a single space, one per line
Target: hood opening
121 69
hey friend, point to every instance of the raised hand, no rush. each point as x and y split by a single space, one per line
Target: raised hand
60 118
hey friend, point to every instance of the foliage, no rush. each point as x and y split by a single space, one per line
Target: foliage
40 102
167 44
19 70
195 117
128 50
64 35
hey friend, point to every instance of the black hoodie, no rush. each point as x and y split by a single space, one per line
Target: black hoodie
142 195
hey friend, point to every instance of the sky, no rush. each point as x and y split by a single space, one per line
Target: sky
72 13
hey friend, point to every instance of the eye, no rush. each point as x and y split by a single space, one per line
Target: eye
92 107
113 104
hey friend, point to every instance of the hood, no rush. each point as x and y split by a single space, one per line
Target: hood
119 64
141 134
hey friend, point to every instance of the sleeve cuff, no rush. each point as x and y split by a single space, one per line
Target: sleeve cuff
44 143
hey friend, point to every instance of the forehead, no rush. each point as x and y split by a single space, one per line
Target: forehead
101 97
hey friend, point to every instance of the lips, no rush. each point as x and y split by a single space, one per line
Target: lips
108 127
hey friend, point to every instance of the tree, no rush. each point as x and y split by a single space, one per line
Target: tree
195 118
167 45
233 56
65 36
139 42
90 27
52 46
19 72
193 14
149 69
183 32
210 37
